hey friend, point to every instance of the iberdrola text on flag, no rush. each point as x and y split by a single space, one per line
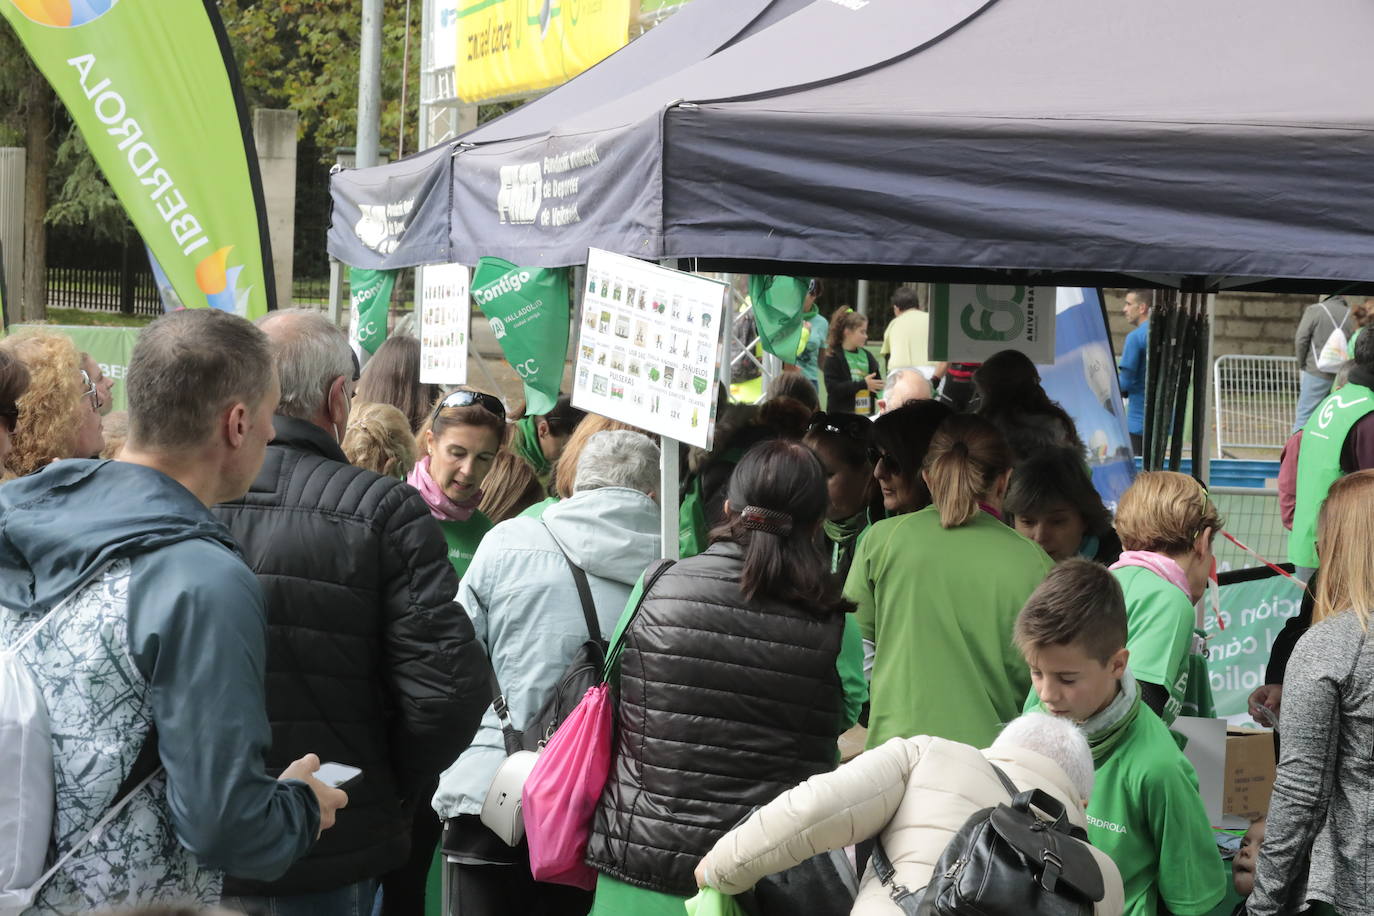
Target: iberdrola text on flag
154 90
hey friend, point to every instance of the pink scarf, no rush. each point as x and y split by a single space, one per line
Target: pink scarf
1166 568
440 506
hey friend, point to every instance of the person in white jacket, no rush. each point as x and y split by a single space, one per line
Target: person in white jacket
915 794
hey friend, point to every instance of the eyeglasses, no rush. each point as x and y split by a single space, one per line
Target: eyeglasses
465 398
877 455
9 415
90 389
841 424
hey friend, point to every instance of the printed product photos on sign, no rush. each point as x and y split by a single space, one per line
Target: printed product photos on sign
649 347
445 311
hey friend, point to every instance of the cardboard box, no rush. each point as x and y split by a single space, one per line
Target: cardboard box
1250 768
1235 769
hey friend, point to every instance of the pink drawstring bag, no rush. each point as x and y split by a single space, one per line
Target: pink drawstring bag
562 790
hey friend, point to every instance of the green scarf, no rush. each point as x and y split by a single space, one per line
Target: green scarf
1105 730
843 534
525 443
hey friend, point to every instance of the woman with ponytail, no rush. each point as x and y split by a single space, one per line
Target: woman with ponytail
938 593
729 692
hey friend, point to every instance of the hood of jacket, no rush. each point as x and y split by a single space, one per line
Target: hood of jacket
611 532
59 526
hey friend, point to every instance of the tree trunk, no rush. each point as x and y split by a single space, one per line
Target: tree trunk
38 103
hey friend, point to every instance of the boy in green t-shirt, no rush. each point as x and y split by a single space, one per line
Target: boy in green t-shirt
1145 811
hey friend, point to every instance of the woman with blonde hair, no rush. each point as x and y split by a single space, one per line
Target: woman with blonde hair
378 438
1166 524
60 408
565 470
938 592
511 487
1318 837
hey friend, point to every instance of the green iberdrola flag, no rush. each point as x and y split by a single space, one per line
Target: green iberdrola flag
527 308
369 297
154 90
778 312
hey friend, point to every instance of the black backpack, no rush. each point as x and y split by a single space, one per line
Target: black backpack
1006 861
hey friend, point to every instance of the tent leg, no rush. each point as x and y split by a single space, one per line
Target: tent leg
727 329
1202 401
861 298
668 486
335 290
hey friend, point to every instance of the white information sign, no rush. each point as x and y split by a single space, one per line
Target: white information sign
445 313
969 323
649 347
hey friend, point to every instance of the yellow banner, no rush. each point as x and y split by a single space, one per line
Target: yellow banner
516 47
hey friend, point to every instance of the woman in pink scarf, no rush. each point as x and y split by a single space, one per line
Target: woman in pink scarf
456 447
1166 523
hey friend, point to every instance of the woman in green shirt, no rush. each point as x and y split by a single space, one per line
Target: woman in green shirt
938 593
457 446
851 372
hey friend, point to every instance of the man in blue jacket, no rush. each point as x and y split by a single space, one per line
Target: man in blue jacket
157 656
1132 375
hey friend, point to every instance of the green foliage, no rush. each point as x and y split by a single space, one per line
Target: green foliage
79 196
303 55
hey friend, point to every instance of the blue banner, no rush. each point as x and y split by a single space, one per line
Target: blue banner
1083 381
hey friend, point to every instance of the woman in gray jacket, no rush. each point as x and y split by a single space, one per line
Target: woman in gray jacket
1323 803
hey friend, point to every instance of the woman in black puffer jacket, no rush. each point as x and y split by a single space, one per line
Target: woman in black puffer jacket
729 693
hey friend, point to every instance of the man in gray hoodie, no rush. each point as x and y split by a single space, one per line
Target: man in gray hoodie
156 658
1320 319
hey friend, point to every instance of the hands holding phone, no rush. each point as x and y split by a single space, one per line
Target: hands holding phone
327 797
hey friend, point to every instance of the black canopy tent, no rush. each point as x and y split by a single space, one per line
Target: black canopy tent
1068 142
399 214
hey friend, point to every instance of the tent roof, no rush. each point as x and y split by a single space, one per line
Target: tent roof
1077 142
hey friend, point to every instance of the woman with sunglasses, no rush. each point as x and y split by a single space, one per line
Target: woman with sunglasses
457 446
901 439
61 408
842 442
938 592
14 381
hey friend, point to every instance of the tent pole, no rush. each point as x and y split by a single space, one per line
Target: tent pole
727 329
335 291
1202 400
861 298
669 484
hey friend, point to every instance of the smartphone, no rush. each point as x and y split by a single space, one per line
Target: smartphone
1267 718
338 775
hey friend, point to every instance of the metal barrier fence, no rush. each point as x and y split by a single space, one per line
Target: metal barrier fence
1252 517
1256 399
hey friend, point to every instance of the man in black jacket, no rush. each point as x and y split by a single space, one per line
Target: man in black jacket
370 662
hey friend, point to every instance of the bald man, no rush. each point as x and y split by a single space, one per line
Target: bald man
904 385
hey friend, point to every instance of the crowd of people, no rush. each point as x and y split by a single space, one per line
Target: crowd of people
279 558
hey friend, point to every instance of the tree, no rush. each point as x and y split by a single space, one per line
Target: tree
26 109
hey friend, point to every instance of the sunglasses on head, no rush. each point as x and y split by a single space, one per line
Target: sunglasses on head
841 424
877 455
9 416
464 398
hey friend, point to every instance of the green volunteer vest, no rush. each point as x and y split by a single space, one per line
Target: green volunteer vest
1319 464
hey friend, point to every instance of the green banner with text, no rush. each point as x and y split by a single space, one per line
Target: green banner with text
111 348
154 90
369 297
527 308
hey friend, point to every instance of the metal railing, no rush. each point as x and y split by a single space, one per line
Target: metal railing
1255 401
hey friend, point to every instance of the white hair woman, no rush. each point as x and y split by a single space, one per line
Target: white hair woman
914 794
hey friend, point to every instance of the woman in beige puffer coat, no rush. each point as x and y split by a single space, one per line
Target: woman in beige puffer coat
915 793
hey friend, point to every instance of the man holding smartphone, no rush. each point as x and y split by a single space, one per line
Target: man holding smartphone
152 668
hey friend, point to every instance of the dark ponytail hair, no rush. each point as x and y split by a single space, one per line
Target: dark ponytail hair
777 498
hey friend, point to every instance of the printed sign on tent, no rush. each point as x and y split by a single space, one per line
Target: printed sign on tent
970 322
649 347
445 312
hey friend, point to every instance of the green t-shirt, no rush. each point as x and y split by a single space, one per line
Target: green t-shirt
1146 813
537 510
1159 632
463 538
939 605
858 371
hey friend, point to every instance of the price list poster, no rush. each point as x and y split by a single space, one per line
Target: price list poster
649 347
445 312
